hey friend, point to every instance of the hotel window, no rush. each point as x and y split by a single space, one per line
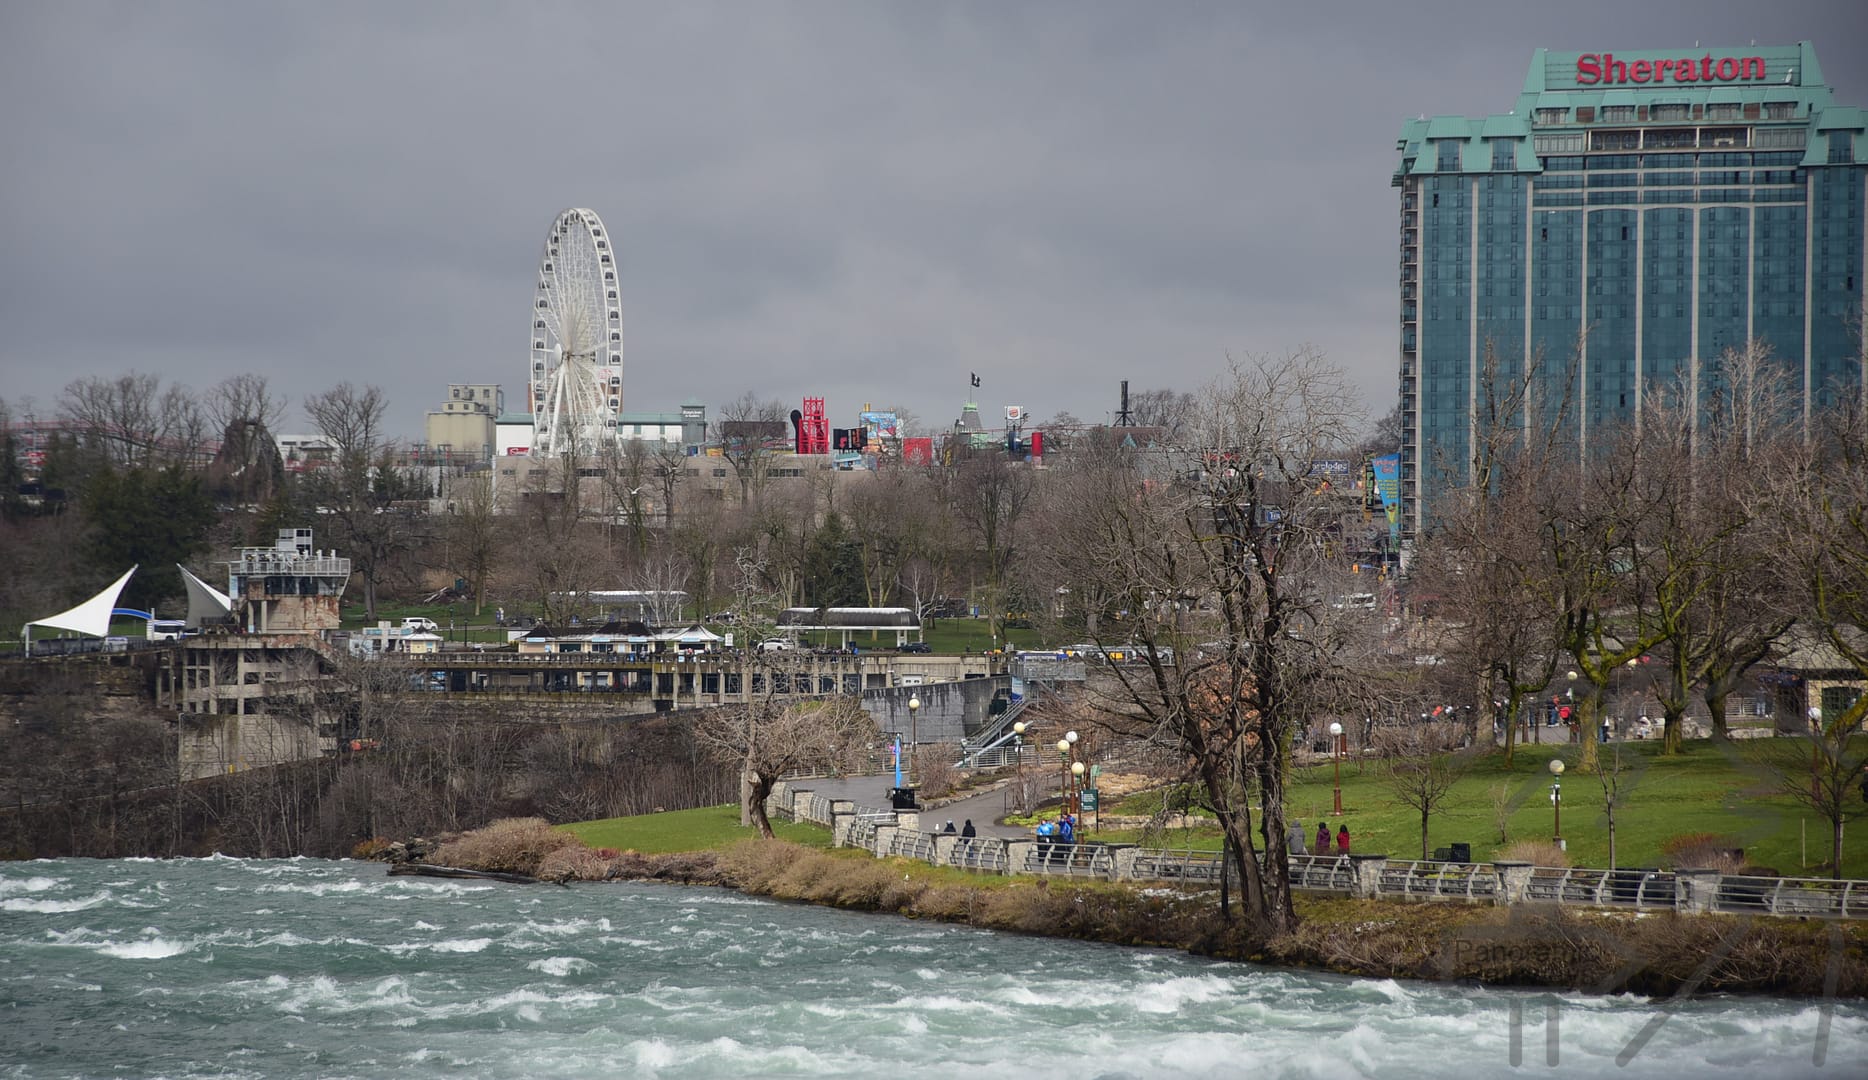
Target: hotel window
1671 138
1780 110
1548 116
1504 154
1724 110
1841 147
1667 112
1615 140
1618 114
1449 155
1571 143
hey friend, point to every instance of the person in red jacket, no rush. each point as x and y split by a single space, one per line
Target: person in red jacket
1342 840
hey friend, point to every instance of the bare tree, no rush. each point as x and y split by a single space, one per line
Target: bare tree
768 739
1421 765
1617 777
991 496
1230 545
552 556
745 429
138 421
473 534
244 398
369 501
1485 566
1824 770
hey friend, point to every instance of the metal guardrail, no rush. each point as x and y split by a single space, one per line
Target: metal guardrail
1820 897
1071 860
1179 864
1601 888
1440 880
816 809
980 853
1322 873
911 845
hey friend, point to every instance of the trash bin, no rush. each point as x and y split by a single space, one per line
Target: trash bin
1460 853
902 798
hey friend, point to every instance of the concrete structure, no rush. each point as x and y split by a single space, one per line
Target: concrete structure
463 430
1635 216
258 695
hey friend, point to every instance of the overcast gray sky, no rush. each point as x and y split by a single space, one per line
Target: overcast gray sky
860 201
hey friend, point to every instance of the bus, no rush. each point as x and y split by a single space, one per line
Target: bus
167 630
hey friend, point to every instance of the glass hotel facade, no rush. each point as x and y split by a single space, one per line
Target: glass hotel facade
1635 216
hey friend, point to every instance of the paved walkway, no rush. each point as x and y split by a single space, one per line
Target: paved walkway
984 809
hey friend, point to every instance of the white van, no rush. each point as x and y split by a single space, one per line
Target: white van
416 622
776 645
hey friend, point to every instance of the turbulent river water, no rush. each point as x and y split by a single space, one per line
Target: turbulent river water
288 968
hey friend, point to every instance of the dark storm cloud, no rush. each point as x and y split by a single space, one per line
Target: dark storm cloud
862 201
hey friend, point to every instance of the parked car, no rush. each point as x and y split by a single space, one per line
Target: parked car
776 645
416 622
917 647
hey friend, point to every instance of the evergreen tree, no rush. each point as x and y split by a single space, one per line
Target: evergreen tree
833 567
151 518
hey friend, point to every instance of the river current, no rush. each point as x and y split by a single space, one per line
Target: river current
308 968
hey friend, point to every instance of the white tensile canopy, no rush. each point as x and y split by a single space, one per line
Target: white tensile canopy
91 618
205 602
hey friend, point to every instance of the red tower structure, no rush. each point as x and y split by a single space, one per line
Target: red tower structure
813 428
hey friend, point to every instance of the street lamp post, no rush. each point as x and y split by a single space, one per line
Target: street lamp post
1018 762
1075 806
1336 759
1569 704
1556 801
914 737
1063 775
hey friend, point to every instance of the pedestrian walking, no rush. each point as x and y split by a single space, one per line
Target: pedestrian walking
1342 840
949 828
1323 838
1067 829
1296 840
967 829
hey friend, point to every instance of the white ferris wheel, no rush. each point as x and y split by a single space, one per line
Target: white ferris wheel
576 380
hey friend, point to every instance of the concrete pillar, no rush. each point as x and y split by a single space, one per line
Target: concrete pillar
1514 878
1016 854
1122 862
885 835
1694 890
909 819
944 843
1368 875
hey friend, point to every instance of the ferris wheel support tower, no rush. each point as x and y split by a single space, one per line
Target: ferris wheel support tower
575 383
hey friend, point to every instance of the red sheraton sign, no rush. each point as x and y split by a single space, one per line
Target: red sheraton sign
1594 68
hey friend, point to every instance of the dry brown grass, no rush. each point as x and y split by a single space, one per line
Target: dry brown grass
513 846
1704 851
1535 852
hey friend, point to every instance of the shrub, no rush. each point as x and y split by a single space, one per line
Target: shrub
373 848
513 846
1535 852
576 863
1704 851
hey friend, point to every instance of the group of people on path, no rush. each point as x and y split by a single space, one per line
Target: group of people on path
968 831
1295 840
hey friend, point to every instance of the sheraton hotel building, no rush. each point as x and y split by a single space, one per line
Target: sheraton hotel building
1636 215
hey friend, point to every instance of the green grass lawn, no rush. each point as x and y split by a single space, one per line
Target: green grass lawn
704 829
1705 789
